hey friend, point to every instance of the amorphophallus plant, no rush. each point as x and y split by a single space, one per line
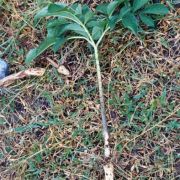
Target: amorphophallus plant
78 21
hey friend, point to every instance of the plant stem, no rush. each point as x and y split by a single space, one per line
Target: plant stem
102 105
103 34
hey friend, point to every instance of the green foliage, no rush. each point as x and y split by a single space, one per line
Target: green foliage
147 20
42 47
157 9
78 21
130 21
137 4
124 11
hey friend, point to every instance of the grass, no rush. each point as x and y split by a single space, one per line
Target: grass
50 127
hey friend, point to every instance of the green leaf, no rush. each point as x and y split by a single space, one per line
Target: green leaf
127 3
87 13
41 13
102 8
88 16
56 22
157 9
79 9
59 42
50 10
120 1
64 13
84 13
137 4
55 30
85 9
111 7
129 21
52 32
124 10
75 28
113 21
96 32
56 7
100 23
40 49
56 27
147 20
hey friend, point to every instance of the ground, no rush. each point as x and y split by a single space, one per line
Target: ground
50 127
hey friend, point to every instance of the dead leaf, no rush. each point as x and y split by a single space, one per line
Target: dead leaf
63 70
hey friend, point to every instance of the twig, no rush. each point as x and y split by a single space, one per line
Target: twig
29 72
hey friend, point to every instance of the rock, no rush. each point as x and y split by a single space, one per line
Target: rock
4 69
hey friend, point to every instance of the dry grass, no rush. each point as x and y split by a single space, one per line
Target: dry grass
50 127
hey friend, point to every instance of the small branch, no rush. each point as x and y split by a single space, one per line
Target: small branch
29 72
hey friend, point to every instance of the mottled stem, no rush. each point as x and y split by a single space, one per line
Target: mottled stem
102 106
